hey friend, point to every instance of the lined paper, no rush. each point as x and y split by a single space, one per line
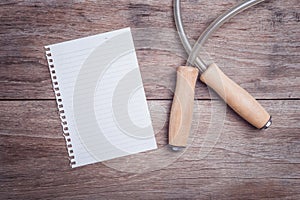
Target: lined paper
99 88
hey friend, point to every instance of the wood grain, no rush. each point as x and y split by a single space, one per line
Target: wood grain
258 49
244 163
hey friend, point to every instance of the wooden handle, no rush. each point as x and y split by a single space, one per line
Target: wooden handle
182 107
236 97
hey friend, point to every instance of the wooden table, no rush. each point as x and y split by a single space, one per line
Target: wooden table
259 49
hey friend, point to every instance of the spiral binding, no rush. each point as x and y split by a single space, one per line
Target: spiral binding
60 106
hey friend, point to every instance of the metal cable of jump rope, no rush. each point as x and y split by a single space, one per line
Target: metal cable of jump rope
194 52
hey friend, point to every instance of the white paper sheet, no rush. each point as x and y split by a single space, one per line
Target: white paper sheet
100 96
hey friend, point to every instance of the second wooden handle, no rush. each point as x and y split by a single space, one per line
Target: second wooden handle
236 97
182 107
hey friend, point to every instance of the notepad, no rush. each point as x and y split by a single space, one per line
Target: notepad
100 97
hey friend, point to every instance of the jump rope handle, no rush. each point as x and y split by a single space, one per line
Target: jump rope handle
234 95
182 107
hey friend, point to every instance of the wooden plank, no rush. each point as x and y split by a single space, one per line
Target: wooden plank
244 162
30 118
258 49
